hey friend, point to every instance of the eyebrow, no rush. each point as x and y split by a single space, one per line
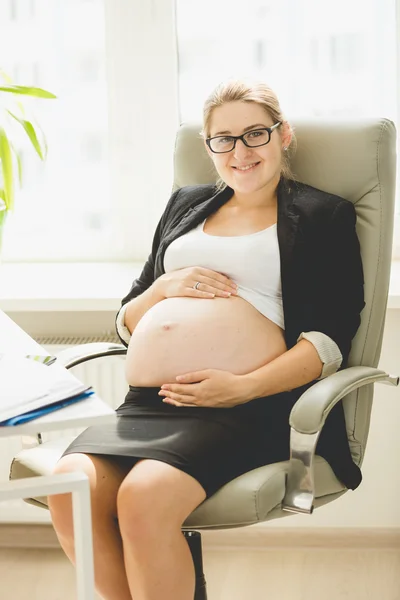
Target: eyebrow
244 130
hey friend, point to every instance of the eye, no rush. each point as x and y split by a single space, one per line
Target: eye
224 140
256 133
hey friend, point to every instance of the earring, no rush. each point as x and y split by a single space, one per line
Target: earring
285 148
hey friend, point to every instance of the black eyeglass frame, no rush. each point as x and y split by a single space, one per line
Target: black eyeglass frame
235 138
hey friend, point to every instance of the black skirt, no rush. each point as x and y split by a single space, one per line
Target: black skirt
213 445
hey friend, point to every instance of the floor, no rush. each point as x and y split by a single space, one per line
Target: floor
283 574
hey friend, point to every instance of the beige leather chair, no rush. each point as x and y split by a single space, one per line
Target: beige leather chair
355 160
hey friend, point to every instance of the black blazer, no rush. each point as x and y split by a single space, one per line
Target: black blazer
321 275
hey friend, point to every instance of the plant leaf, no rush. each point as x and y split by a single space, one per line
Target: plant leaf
19 163
27 91
31 133
19 166
2 200
42 137
7 169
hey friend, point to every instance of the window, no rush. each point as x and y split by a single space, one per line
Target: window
260 53
324 59
347 53
21 9
95 198
126 74
53 51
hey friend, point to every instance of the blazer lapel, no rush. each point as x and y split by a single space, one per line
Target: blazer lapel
288 239
191 218
210 206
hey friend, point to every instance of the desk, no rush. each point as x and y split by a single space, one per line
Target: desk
91 411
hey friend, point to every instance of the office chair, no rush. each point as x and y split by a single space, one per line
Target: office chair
353 159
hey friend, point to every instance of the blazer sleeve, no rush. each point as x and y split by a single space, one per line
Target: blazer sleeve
336 296
146 277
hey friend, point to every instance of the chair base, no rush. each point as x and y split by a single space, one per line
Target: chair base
193 539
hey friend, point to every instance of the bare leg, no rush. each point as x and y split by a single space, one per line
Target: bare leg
105 477
153 502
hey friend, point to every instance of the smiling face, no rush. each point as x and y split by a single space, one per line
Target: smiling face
246 170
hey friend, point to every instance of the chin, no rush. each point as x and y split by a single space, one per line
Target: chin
253 185
249 187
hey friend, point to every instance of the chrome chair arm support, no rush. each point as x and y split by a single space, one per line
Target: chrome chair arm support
307 419
71 357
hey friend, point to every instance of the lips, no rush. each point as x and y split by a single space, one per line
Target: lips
246 168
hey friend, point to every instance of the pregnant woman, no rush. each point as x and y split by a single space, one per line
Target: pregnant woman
253 290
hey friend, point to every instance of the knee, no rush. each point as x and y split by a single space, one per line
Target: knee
141 509
155 497
60 505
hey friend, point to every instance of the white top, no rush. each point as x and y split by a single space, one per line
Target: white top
251 261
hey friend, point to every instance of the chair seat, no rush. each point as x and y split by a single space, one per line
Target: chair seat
251 498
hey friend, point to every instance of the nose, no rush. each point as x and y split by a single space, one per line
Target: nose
241 151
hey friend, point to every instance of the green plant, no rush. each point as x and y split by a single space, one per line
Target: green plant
14 114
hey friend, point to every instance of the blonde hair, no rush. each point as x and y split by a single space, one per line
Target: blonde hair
259 93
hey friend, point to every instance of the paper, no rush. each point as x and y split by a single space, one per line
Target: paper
28 385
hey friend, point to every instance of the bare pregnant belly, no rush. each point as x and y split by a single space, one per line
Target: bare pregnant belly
179 335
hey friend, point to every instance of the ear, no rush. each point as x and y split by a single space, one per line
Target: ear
286 134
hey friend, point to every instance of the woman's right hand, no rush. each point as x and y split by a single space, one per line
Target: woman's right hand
181 281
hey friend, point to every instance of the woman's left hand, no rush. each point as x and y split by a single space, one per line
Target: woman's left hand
208 388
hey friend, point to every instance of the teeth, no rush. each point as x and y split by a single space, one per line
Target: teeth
246 168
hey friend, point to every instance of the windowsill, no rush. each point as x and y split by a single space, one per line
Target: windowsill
67 287
36 287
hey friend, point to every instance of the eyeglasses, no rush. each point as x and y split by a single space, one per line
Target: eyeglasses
252 139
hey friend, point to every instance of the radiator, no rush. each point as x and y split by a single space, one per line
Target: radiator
107 377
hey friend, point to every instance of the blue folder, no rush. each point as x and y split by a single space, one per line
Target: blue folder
34 414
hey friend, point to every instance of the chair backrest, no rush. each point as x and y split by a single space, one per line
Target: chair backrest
357 161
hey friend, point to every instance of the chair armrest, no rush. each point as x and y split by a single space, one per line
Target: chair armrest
312 408
307 418
70 357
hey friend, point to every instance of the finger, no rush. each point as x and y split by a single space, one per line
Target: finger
214 289
174 403
196 293
178 388
226 286
194 377
182 398
217 285
203 290
215 279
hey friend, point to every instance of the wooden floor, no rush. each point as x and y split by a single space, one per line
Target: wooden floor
282 574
